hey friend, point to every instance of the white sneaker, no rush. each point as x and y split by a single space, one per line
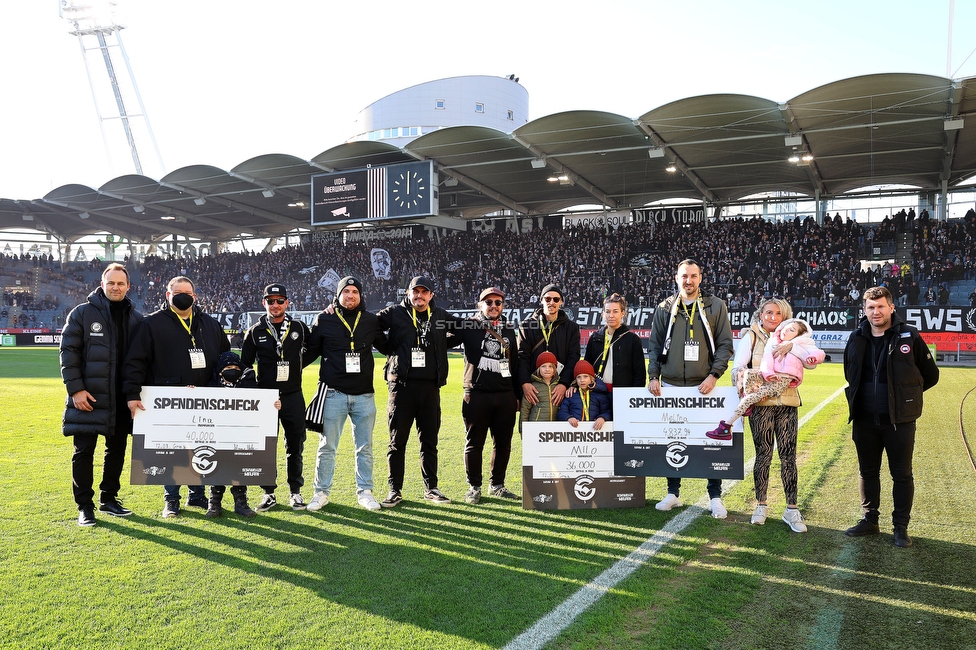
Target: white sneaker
669 501
794 520
367 501
759 516
319 500
718 510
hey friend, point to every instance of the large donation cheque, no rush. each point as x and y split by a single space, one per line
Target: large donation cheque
665 436
571 468
205 436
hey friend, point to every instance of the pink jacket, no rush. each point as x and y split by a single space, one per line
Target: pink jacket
794 362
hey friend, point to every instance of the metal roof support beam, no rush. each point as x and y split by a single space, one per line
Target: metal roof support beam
692 177
166 210
242 207
950 137
816 180
71 212
487 191
291 194
556 164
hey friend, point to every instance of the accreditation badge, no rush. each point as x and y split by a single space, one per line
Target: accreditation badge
692 349
198 360
283 368
418 358
352 362
504 369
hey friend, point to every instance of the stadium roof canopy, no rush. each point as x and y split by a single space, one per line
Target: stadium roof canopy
904 129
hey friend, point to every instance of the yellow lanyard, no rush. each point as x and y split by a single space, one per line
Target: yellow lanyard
691 318
279 340
352 330
585 397
547 333
606 350
415 323
193 341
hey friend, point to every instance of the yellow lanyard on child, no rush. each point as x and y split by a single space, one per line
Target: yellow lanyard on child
585 397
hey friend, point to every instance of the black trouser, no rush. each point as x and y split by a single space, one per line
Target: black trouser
217 491
898 441
713 486
494 411
420 402
292 418
83 471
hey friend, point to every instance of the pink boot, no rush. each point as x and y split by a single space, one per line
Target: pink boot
722 432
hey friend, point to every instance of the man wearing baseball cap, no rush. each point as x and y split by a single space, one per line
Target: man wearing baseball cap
277 343
491 393
416 368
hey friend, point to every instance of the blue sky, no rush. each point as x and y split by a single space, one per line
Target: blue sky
225 81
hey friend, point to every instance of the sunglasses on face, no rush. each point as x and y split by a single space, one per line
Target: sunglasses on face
495 303
276 301
553 299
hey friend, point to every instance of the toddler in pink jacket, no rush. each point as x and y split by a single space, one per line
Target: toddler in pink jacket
779 370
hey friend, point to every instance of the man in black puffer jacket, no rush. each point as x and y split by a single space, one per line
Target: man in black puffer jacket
93 345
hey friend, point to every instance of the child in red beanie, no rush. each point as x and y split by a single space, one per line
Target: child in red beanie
589 402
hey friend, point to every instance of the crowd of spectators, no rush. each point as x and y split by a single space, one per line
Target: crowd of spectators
744 261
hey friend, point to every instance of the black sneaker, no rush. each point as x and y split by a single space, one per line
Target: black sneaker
502 492
115 508
86 516
199 501
435 496
902 540
171 509
862 528
267 502
392 499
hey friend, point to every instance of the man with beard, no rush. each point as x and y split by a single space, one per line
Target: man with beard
691 344
416 368
93 346
277 343
175 346
491 393
548 330
344 336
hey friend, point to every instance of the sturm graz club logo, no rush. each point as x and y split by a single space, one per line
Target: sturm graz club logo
542 498
202 462
583 489
676 456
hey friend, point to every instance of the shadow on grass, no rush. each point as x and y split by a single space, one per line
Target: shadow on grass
484 573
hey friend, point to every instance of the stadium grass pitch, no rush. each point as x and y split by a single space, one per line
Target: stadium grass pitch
461 576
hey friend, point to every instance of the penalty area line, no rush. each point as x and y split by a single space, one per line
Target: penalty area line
552 624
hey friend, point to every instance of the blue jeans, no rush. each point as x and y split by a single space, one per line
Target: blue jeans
172 492
361 410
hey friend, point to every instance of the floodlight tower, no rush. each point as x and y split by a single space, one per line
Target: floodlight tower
94 23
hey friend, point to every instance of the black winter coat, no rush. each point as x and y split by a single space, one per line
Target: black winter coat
397 321
89 362
330 339
159 353
911 370
564 342
259 345
627 353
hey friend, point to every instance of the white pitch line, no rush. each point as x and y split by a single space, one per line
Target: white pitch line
552 624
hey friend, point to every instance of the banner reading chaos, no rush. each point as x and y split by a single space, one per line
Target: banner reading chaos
205 436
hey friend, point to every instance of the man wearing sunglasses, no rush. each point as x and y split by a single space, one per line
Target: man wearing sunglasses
549 329
277 343
491 393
